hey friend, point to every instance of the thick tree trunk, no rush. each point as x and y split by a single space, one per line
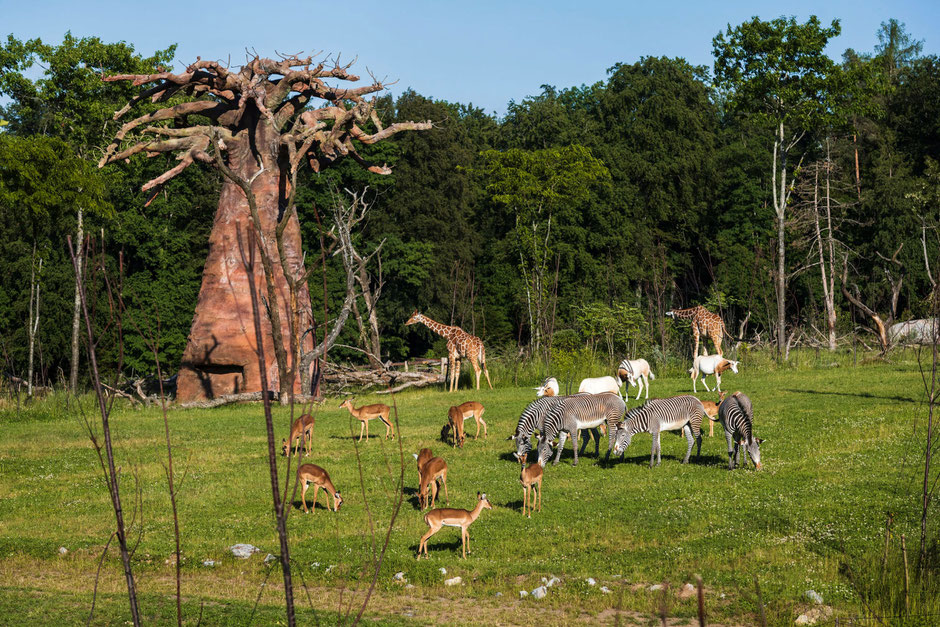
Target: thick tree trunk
220 356
77 311
780 207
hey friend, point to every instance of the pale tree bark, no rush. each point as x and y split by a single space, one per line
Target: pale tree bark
77 311
781 198
33 327
826 247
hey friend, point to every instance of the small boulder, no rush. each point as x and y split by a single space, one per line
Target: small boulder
813 596
63 550
442 570
540 592
498 594
815 615
687 591
605 589
591 581
269 558
655 587
453 581
208 563
523 594
244 551
400 576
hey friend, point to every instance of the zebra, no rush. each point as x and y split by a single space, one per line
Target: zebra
736 415
662 414
532 418
580 412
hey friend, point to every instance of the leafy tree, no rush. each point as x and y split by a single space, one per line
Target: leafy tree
540 187
778 72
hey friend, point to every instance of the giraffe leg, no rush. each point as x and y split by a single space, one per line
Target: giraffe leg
695 340
476 370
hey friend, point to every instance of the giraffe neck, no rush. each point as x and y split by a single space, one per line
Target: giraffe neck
685 313
437 327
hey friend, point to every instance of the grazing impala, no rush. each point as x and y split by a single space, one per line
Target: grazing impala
421 457
455 425
531 479
448 517
433 471
370 412
311 473
711 410
475 410
302 428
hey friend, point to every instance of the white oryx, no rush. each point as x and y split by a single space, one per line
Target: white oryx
635 372
711 364
596 385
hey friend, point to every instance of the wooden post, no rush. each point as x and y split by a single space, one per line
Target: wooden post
907 598
701 601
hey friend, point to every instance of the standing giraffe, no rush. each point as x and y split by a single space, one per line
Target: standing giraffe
459 344
704 322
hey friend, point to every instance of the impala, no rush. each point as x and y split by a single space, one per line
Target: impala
302 428
531 479
455 425
370 412
711 410
448 517
432 472
475 410
311 473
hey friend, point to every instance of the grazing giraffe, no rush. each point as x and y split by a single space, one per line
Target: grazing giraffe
705 323
459 344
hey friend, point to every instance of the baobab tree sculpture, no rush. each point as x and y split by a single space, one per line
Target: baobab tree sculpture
257 125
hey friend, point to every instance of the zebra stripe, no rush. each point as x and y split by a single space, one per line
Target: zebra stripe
736 415
583 411
662 414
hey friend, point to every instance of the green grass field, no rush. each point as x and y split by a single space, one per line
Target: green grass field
840 453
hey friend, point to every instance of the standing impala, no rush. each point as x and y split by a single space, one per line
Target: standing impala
448 517
370 412
473 409
302 428
432 472
422 457
531 479
311 473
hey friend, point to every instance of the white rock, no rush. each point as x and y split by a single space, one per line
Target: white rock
269 558
400 576
550 582
329 568
442 570
605 589
655 587
591 581
499 594
63 550
409 586
813 596
523 593
243 551
814 615
209 563
453 581
540 592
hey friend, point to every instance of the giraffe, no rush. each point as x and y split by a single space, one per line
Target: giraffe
704 322
459 344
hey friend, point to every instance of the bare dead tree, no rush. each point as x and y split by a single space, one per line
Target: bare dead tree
76 311
112 477
33 324
262 126
877 323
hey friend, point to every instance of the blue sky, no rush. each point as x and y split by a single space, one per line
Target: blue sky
482 52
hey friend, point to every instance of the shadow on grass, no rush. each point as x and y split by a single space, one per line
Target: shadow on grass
903 399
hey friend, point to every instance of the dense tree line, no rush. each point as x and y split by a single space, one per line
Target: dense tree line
579 217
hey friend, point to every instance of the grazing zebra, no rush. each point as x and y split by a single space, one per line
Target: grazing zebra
532 418
737 417
580 412
658 415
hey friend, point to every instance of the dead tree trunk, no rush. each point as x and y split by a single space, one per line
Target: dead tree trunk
77 310
33 326
877 322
